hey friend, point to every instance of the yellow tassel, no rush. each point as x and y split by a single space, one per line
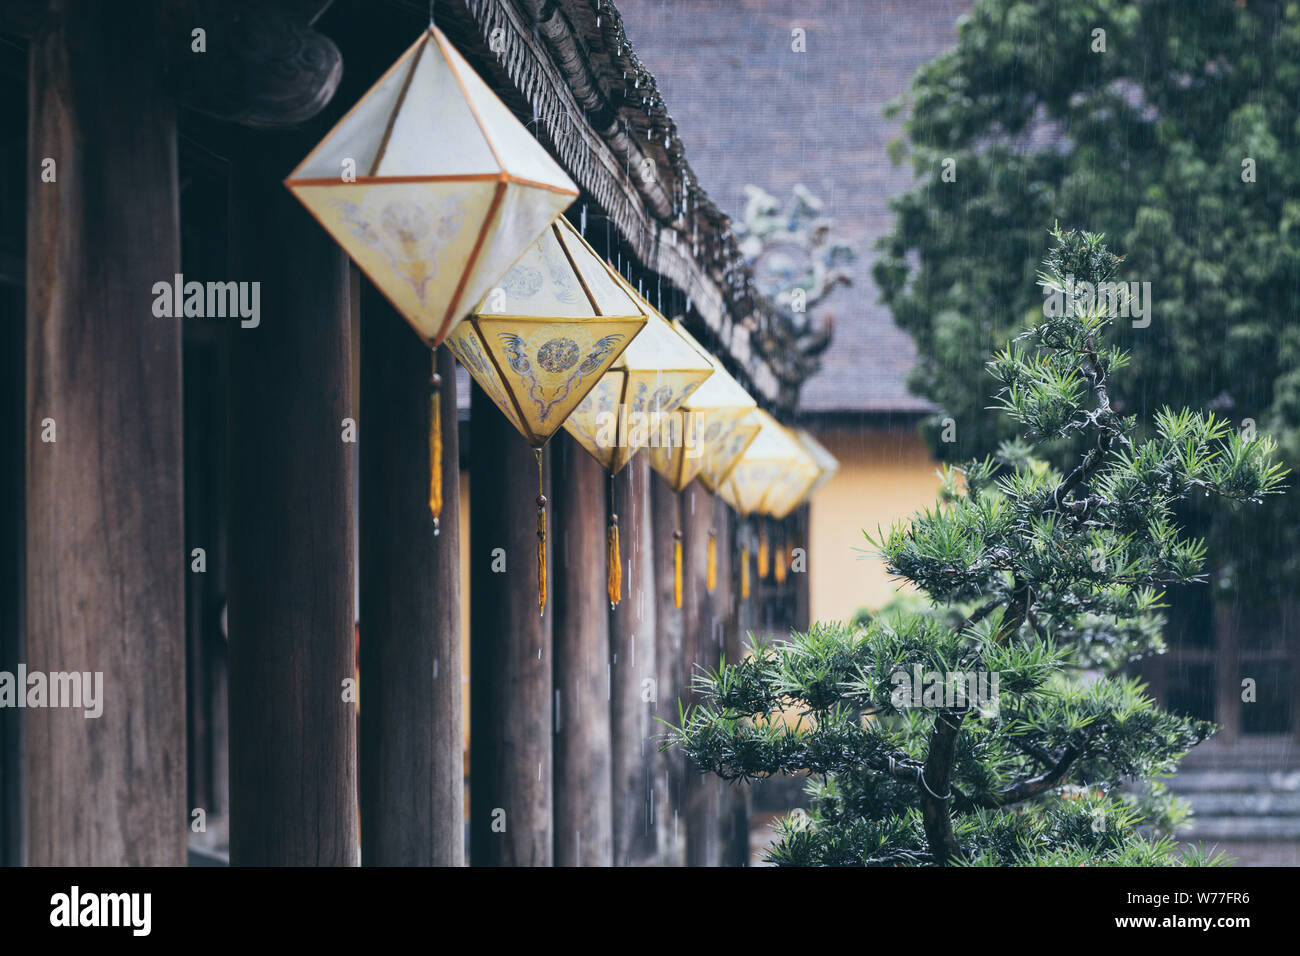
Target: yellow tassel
435 445
435 458
614 562
541 538
779 565
744 572
764 555
711 565
541 559
677 569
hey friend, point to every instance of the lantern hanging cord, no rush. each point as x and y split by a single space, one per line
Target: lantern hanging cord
431 4
541 537
435 444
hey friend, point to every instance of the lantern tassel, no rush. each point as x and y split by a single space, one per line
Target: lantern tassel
744 572
435 445
541 538
779 562
614 562
711 562
764 555
677 569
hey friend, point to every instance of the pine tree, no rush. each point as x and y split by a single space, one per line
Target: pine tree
1041 585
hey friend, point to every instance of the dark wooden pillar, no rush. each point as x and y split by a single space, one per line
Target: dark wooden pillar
1227 672
105 552
638 780
510 651
293 720
412 768
800 524
665 512
583 781
701 648
722 603
13 418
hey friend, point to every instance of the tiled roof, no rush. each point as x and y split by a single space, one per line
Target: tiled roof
751 110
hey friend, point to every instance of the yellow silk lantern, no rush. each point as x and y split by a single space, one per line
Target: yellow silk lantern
827 464
432 186
627 408
798 482
699 433
542 338
773 469
548 332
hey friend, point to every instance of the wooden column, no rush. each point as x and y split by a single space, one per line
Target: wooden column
293 724
638 773
801 525
1227 672
412 768
13 418
105 552
701 648
735 797
510 651
665 512
583 781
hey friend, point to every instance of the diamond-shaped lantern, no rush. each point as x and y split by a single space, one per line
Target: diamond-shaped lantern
630 403
772 470
794 485
432 186
703 432
541 339
827 464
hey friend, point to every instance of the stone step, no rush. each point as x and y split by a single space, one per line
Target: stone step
1259 803
1241 828
1234 781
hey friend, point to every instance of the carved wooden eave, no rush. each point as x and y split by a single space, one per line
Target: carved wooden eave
599 111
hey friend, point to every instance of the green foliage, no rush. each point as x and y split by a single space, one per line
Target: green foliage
1147 142
1047 581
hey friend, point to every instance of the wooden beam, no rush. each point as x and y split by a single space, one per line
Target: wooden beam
665 513
293 726
639 775
412 767
511 808
105 552
583 781
263 66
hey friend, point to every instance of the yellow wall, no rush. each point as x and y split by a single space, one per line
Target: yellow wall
885 474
